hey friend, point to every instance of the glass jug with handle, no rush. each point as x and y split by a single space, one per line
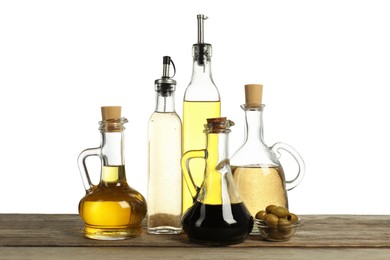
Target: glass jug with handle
257 172
111 210
218 216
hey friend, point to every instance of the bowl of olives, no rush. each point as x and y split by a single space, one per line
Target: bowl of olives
276 223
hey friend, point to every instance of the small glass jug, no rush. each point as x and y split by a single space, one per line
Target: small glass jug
218 216
257 172
110 210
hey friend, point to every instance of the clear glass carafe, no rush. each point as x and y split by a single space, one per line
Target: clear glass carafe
201 101
218 216
111 210
257 172
164 172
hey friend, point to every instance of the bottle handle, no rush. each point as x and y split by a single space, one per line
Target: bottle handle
290 184
88 185
185 166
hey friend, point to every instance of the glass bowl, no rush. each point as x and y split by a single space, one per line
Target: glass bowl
277 233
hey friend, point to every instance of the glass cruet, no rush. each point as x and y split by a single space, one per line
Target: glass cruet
201 101
164 172
218 216
111 210
257 172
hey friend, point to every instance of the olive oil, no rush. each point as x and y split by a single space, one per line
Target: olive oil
260 186
195 114
112 210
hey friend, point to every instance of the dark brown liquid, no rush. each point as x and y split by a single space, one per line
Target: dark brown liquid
217 224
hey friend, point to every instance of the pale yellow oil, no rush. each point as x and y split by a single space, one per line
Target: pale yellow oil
195 114
260 186
112 210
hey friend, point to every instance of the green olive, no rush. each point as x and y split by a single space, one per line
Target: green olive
284 227
276 235
269 208
280 212
284 223
261 215
292 217
272 220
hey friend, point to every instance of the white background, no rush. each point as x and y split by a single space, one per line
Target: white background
325 66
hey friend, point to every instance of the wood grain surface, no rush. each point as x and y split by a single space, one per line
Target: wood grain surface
36 236
316 231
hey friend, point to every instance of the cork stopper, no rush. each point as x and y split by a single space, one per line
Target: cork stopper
218 121
253 95
218 124
111 119
111 112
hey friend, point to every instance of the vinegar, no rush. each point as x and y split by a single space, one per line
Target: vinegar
195 114
164 189
211 225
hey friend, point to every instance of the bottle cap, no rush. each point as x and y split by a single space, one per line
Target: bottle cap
111 112
253 95
166 84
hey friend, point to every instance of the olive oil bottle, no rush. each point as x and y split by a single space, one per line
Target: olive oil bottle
111 210
201 101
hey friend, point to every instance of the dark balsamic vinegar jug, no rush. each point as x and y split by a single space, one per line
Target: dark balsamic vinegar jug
218 216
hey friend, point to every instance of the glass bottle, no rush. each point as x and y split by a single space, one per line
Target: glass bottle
257 172
218 216
164 175
201 101
110 210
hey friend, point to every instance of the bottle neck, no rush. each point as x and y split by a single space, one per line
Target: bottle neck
254 125
217 149
165 101
112 156
201 71
112 148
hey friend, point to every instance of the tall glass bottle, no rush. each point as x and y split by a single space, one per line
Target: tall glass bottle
201 101
218 216
111 210
164 176
257 172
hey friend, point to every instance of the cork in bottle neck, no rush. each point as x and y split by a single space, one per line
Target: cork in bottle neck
218 125
111 119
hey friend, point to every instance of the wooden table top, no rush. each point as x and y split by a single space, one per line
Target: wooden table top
59 236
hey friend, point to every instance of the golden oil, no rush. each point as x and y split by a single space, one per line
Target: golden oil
195 114
112 210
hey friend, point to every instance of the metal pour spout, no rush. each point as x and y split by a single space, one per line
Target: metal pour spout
201 19
166 63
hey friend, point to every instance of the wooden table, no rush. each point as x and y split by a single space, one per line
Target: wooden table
36 236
